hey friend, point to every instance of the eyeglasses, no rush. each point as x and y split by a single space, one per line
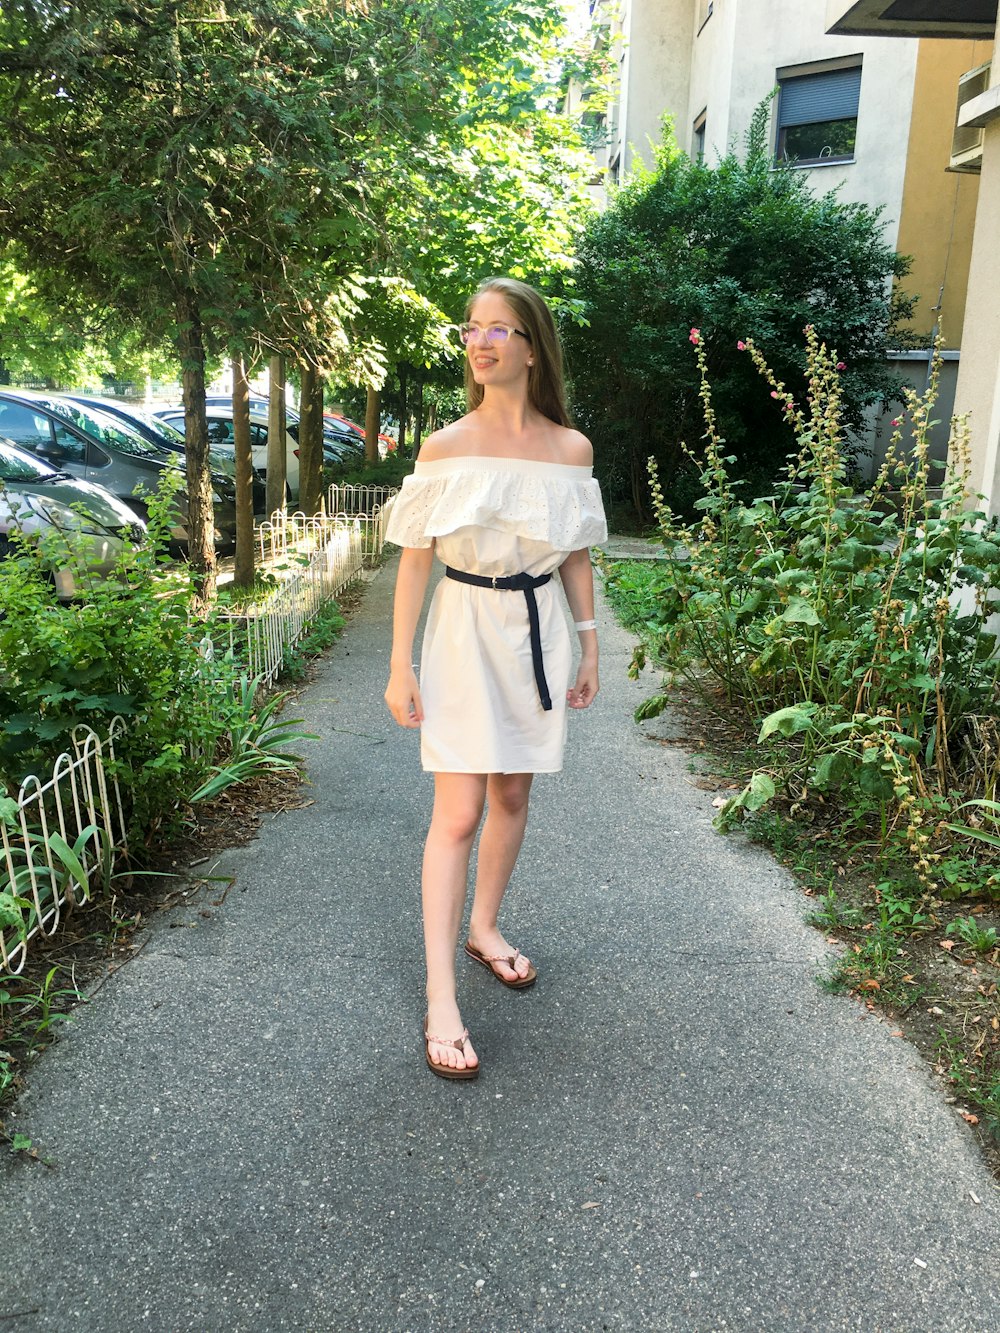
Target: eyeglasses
495 333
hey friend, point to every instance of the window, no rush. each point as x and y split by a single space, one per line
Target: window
818 115
24 427
220 431
698 138
68 447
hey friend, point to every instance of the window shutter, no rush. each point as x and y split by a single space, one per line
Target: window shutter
812 98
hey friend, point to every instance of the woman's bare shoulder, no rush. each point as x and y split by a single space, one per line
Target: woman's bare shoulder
573 447
449 441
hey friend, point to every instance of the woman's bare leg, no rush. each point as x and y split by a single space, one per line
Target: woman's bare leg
506 818
458 808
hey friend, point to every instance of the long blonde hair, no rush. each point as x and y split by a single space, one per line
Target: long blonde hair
546 391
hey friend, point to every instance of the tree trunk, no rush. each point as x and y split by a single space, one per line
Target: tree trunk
373 419
200 519
276 436
244 476
418 423
310 440
402 407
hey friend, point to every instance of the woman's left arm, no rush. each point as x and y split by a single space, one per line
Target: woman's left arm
578 581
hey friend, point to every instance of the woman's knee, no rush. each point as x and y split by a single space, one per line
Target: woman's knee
458 808
509 792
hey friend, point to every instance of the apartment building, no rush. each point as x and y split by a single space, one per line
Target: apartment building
871 118
973 122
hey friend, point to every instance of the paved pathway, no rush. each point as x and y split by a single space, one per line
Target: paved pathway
676 1129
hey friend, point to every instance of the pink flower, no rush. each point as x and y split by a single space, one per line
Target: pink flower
774 393
741 346
789 408
695 336
896 421
841 365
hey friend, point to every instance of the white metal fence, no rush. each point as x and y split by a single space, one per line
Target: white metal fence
58 836
62 833
317 557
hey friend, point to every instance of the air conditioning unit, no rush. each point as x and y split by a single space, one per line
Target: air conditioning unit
967 140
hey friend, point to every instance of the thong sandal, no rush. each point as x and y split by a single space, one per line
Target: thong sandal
446 1071
487 961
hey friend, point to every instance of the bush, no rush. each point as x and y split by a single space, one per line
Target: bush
740 249
853 630
130 647
390 472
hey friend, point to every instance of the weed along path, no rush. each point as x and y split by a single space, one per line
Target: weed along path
675 1129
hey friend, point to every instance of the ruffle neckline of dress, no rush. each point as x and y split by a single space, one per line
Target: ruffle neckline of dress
548 502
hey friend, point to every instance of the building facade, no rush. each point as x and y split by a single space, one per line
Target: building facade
871 118
973 124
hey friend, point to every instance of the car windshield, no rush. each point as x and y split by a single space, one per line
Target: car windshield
172 437
17 466
108 430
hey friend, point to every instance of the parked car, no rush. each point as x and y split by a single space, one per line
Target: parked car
338 432
386 444
220 437
107 451
165 435
336 447
36 499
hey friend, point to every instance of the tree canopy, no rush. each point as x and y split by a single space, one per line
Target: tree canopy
221 171
741 249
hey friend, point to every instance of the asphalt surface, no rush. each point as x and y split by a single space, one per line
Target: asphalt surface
675 1129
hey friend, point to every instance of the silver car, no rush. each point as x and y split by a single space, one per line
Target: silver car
36 500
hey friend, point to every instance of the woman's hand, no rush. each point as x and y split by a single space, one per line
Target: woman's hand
584 691
402 695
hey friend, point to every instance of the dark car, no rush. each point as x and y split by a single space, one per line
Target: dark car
105 450
166 435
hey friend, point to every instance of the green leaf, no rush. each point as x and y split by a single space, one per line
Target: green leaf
800 612
758 792
788 721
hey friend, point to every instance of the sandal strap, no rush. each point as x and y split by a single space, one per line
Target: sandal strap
457 1042
509 959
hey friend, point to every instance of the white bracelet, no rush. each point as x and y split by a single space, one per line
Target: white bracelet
584 624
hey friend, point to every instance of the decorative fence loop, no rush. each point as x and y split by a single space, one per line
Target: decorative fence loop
64 831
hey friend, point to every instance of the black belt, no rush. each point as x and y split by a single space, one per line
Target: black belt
526 583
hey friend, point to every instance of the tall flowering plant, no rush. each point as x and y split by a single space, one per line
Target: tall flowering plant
854 629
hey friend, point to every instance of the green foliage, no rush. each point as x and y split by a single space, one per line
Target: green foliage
740 249
390 472
324 629
130 648
854 631
255 739
30 1012
982 939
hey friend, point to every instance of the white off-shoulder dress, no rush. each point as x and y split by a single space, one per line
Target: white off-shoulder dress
495 517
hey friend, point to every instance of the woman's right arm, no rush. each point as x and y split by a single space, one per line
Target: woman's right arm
402 694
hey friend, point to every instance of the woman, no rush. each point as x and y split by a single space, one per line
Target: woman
504 497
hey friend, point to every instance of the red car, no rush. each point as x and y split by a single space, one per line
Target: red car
386 444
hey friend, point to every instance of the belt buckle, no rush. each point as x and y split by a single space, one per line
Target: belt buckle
494 582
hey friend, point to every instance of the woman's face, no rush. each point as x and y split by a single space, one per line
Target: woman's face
494 361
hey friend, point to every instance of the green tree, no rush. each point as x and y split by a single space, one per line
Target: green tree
502 189
742 249
214 169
